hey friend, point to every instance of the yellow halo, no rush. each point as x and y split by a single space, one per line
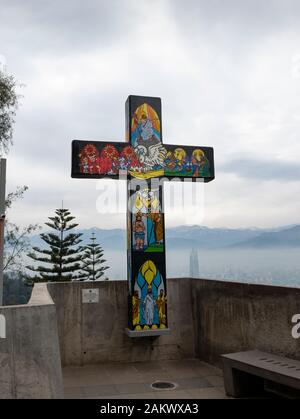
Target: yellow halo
198 154
179 153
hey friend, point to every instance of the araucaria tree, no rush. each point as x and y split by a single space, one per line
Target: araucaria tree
62 260
93 263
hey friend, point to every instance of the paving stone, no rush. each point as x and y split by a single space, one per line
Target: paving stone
215 380
207 370
102 391
195 382
173 395
119 378
206 393
146 396
134 388
125 380
74 392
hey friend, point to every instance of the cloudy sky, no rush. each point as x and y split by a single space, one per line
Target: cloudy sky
228 73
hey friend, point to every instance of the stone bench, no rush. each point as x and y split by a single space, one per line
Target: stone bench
252 373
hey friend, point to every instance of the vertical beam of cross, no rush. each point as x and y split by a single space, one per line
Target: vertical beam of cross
2 218
146 224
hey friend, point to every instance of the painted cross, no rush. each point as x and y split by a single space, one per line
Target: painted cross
145 161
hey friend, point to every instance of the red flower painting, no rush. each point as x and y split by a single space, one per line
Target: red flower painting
109 159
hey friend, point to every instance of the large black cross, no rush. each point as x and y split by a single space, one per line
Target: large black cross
145 161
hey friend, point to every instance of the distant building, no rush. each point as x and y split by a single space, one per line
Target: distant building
194 264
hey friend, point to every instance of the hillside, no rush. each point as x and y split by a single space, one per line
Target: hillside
284 238
188 237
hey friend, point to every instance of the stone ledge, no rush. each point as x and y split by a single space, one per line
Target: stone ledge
147 333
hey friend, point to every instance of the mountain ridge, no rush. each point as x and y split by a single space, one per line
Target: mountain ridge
284 238
202 237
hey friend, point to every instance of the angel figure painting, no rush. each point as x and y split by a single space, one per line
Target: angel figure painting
146 140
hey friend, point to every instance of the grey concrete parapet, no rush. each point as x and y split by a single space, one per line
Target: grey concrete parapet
29 354
92 333
206 319
233 316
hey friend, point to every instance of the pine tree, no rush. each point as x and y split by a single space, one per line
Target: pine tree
62 262
93 261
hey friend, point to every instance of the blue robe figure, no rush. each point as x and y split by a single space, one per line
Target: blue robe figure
145 132
150 232
149 293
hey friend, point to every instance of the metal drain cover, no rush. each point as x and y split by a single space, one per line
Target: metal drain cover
163 385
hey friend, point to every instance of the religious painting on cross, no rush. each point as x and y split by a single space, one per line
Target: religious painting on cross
98 159
148 225
145 162
148 310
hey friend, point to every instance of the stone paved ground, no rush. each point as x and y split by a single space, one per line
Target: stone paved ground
194 379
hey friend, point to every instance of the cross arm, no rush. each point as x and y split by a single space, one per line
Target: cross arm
99 159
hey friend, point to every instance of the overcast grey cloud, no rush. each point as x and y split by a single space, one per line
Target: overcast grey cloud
228 74
263 170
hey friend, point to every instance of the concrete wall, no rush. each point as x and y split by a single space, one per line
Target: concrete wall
231 317
207 318
30 364
92 333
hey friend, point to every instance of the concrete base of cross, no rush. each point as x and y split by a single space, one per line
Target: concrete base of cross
147 333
